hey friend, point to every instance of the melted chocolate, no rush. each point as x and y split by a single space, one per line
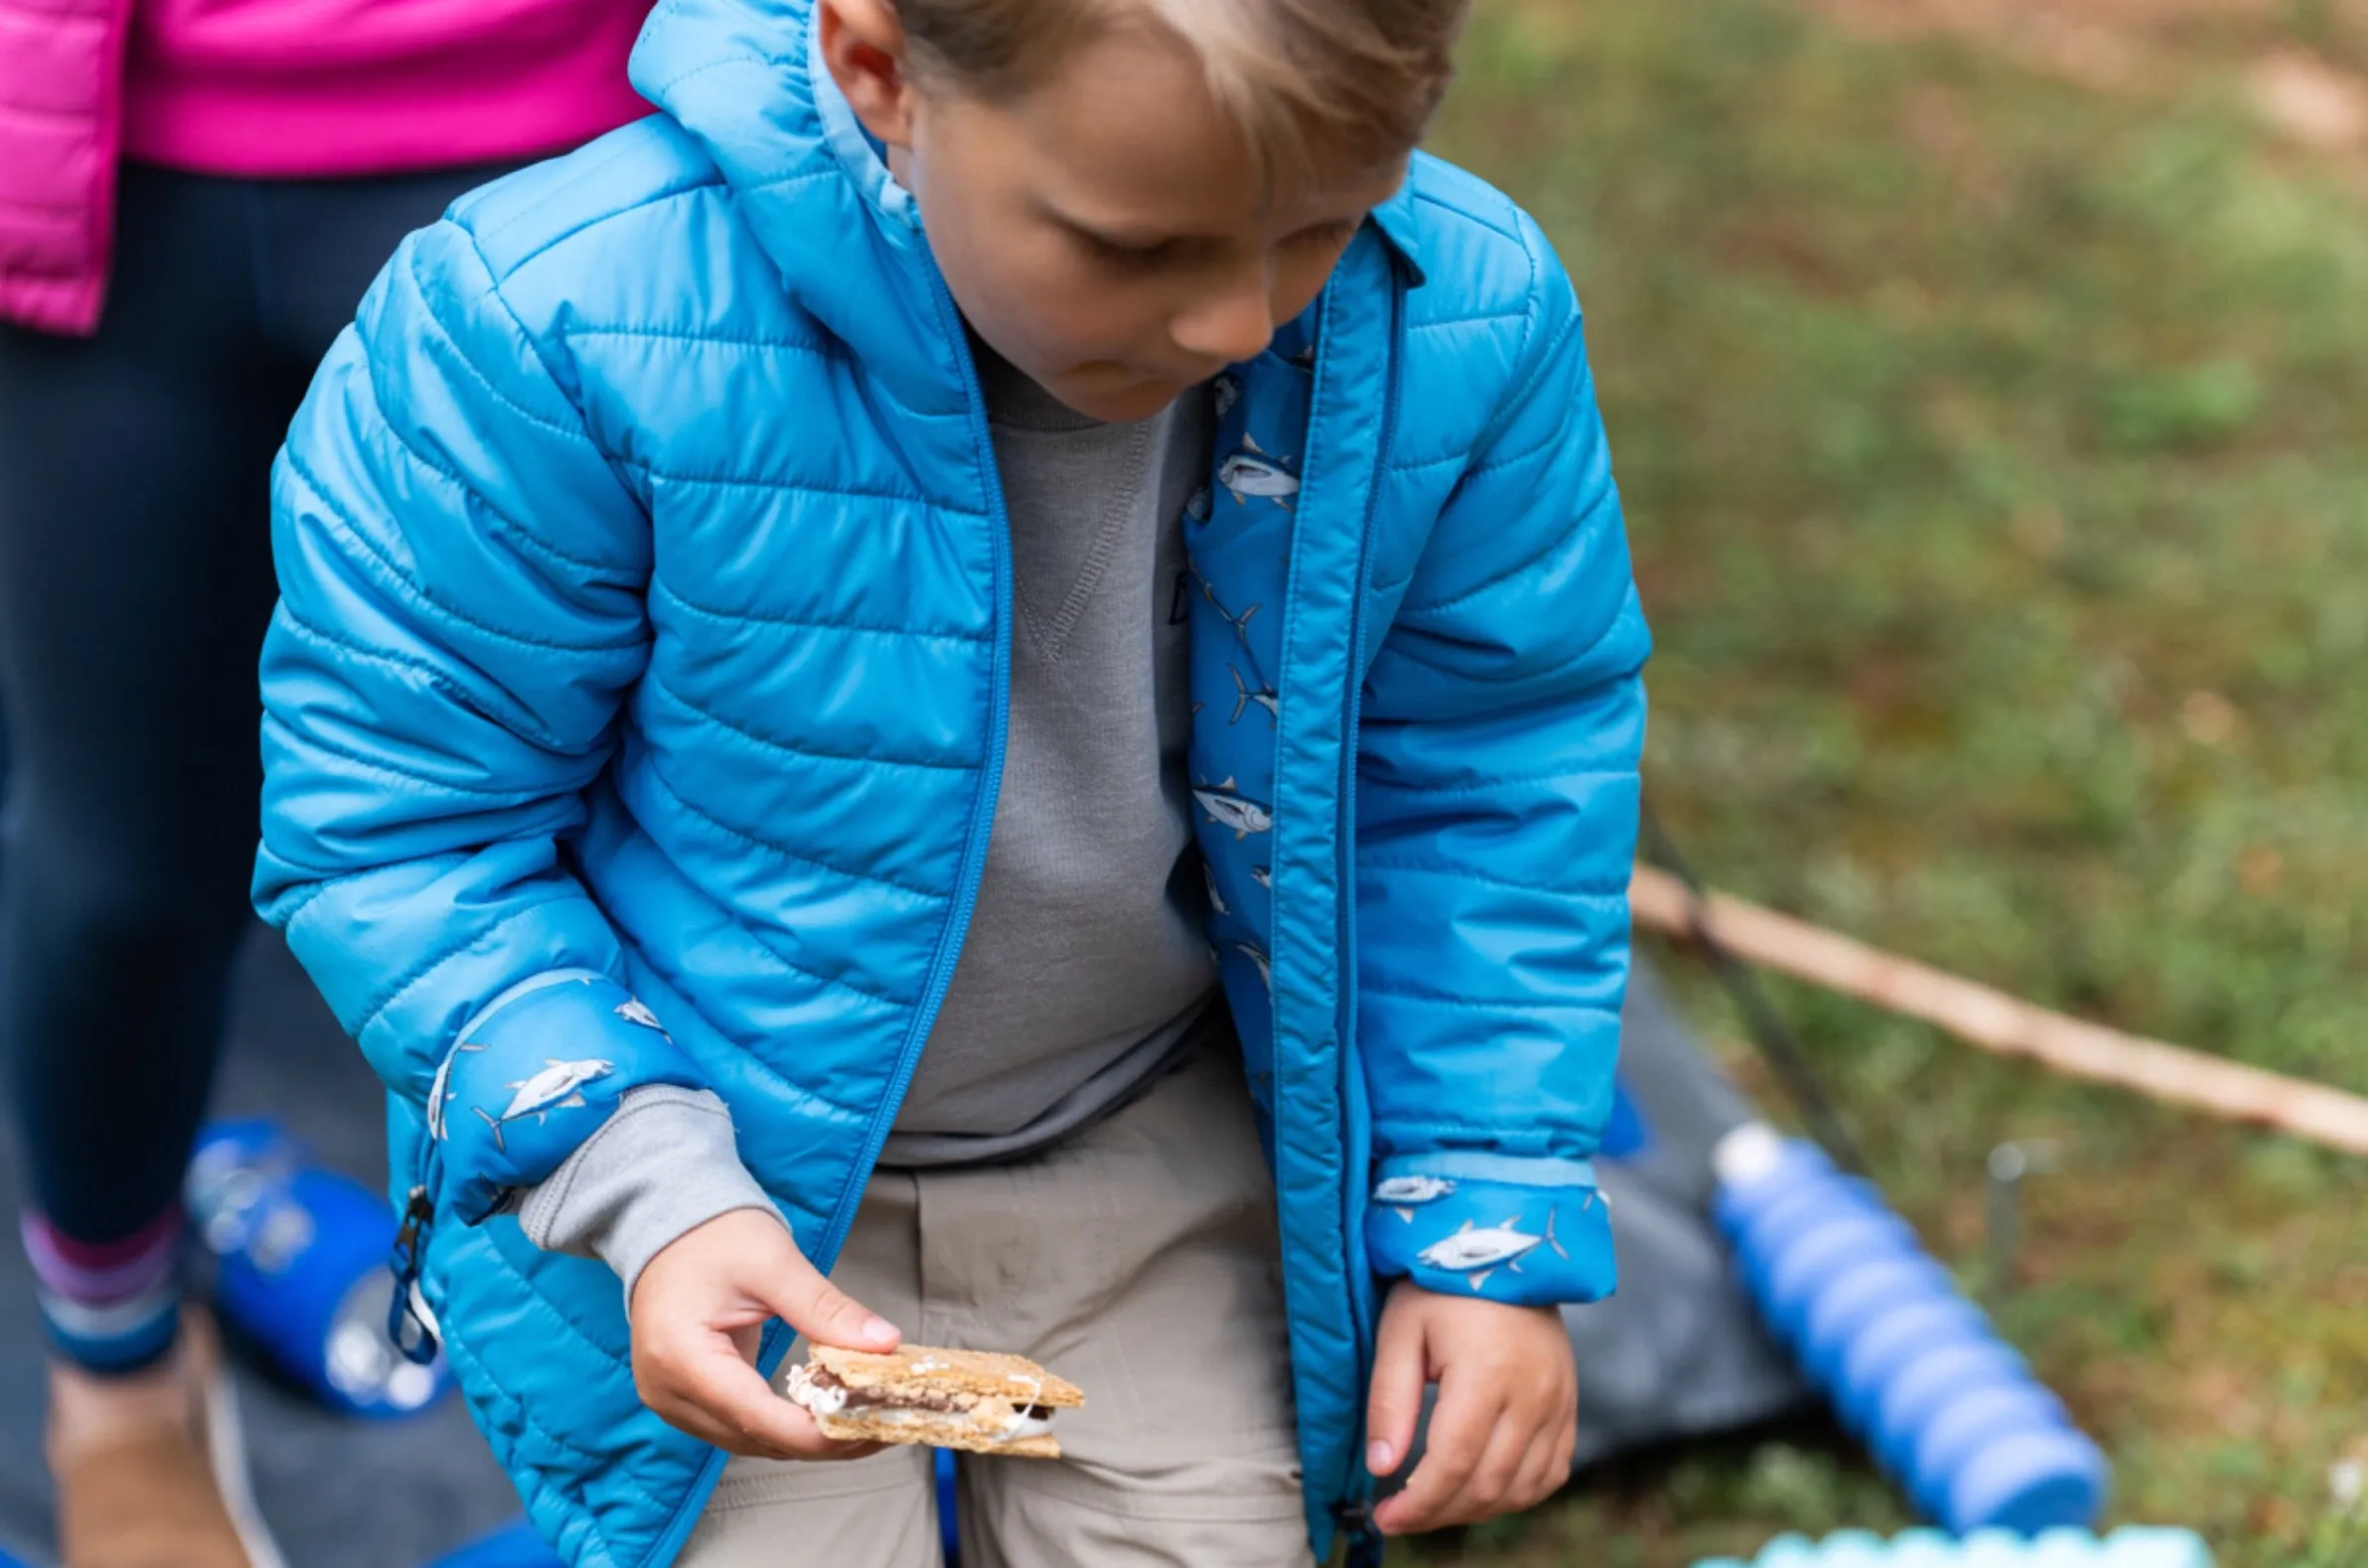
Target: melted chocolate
823 1377
915 1399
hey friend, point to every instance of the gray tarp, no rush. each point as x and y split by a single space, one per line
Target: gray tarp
1676 1353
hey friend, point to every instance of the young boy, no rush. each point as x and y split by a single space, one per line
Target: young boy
1026 527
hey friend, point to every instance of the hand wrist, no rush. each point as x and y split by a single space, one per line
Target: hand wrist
661 1166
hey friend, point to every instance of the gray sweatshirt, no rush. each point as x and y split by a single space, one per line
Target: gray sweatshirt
1085 972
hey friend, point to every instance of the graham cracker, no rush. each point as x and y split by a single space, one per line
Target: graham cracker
988 1374
950 1428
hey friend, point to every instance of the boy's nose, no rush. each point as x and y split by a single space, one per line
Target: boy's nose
1228 327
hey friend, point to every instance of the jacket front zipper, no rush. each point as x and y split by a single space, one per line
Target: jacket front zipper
1355 1136
941 975
982 822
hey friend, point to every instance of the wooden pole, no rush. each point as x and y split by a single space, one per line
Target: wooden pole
1997 1021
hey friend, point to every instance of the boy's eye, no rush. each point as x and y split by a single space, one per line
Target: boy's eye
1323 235
1121 257
1127 258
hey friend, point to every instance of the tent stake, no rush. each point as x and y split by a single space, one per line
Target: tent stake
1995 1021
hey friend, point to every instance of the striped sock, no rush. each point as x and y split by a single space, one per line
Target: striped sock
110 1307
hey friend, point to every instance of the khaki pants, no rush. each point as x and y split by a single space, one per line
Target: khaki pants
1139 1260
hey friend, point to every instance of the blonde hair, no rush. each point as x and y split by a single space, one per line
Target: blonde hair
1354 78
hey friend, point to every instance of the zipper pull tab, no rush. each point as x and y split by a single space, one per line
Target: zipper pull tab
410 1325
1365 1545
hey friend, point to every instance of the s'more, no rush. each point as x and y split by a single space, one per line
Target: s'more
980 1400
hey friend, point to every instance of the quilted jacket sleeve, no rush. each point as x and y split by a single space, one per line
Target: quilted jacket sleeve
461 578
1498 794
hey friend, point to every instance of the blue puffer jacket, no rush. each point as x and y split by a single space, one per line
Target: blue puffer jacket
635 714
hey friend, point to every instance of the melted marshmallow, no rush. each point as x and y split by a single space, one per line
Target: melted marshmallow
805 1391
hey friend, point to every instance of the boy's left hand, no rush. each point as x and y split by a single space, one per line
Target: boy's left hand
1508 1415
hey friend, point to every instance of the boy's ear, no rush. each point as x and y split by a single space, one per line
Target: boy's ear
862 44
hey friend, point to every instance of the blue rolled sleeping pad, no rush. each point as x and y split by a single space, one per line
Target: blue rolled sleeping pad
1914 1369
2133 1546
300 1256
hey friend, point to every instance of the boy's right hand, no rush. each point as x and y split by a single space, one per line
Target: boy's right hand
697 1313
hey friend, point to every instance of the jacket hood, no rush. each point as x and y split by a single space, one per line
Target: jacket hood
737 78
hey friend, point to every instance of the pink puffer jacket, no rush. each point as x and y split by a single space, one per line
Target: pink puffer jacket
285 88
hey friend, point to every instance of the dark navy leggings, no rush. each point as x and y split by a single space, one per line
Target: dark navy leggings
135 582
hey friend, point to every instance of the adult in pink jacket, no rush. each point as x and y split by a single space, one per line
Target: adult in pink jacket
193 195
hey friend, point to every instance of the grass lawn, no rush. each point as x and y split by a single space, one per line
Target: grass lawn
1994 440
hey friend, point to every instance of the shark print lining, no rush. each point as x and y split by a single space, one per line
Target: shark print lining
1251 473
1227 809
440 1093
558 1087
1257 955
1478 1253
635 1010
1240 623
1403 1194
1264 698
1240 529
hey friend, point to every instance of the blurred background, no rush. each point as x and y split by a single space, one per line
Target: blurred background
1988 383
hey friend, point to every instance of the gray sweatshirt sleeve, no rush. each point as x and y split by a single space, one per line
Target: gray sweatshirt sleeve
661 1166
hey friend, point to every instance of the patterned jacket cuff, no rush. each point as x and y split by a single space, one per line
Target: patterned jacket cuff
1526 1232
533 1076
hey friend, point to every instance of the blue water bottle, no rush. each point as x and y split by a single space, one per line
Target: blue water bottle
301 1268
2131 1546
1914 1369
